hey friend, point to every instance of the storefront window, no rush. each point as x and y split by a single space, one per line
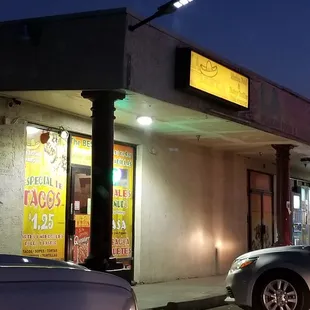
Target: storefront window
122 200
45 194
45 218
301 228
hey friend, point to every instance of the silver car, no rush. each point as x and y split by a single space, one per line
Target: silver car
36 284
273 279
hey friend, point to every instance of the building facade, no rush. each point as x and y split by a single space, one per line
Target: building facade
190 192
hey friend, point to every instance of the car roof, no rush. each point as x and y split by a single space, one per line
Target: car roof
15 268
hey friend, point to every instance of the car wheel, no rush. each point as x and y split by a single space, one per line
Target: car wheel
279 293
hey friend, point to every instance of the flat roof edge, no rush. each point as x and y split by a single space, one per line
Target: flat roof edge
68 16
186 42
221 59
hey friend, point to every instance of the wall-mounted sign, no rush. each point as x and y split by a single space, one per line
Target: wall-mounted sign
203 75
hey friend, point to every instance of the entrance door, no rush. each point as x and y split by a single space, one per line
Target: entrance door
261 226
80 200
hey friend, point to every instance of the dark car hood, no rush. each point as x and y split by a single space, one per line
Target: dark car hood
274 250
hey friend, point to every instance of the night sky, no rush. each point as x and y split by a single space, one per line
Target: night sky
270 37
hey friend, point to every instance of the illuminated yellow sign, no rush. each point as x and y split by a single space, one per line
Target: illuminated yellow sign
217 80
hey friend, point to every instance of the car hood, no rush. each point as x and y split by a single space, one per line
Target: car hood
58 274
273 250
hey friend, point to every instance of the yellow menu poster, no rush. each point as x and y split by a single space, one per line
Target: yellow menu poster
45 197
123 181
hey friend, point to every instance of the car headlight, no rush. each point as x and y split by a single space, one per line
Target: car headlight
239 264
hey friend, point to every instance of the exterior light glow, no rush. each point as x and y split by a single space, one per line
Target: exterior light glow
168 8
144 120
179 3
117 175
64 134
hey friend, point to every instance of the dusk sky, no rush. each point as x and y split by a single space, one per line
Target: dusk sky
270 37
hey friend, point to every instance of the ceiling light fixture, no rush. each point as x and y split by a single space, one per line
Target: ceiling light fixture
144 120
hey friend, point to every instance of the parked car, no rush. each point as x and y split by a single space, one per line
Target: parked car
276 278
35 284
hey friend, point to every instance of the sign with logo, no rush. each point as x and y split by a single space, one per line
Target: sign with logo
198 73
45 197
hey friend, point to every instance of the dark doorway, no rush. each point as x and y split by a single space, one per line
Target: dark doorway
261 213
80 195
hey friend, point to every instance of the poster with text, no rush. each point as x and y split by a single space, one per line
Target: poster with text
81 151
123 184
123 172
45 196
81 238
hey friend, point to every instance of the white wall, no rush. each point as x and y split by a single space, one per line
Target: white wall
192 200
12 174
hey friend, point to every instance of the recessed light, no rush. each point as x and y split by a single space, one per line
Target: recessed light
144 120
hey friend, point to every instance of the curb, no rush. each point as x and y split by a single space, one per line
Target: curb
198 304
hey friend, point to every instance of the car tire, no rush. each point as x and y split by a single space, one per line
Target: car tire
282 289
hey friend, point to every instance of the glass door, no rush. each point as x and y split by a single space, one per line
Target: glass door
80 202
78 228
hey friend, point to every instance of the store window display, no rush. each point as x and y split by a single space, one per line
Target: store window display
57 197
300 218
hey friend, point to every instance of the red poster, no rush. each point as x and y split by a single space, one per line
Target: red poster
81 238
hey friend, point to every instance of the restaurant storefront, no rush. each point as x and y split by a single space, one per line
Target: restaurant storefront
57 199
179 187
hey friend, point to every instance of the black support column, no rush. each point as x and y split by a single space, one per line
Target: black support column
102 181
284 222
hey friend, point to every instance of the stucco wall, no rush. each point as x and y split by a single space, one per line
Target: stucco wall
189 200
12 167
193 200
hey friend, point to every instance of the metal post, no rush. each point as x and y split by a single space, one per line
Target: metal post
102 183
284 222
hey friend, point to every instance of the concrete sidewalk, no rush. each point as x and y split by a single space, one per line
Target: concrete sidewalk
202 293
